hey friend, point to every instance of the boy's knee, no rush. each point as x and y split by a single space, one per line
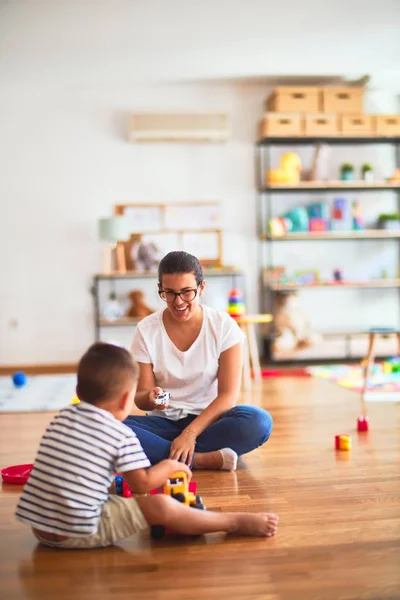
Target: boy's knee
157 509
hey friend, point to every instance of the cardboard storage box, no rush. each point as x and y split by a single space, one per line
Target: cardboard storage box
280 125
320 124
356 125
343 100
295 99
387 125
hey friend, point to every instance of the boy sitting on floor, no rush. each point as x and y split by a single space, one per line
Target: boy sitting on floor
66 499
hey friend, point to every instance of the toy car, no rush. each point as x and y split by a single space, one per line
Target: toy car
178 487
162 399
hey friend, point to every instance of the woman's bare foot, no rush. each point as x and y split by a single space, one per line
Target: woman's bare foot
255 524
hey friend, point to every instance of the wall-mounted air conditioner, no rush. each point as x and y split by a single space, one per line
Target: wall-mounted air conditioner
178 127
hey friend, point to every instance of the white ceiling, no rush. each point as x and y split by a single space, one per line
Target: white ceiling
127 41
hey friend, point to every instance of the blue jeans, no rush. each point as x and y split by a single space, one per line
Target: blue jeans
242 428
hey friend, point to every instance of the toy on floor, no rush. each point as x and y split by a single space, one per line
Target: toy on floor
236 306
138 307
179 488
19 379
288 171
362 424
343 442
17 474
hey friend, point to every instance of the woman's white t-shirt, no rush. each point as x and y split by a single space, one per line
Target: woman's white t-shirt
190 377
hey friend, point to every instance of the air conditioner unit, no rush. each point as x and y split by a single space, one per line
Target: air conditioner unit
178 127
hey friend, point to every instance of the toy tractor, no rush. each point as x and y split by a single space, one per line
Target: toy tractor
178 487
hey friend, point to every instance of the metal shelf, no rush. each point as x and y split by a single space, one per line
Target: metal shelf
332 186
329 285
223 272
307 236
335 140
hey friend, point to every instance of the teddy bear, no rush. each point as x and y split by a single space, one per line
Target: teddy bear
292 328
138 307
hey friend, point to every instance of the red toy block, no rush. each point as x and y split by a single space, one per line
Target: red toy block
362 424
337 442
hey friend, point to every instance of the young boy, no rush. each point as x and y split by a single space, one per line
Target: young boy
66 499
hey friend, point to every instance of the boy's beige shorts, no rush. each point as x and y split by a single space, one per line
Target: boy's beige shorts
120 519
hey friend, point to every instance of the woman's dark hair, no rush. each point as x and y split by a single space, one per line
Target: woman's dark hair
180 262
103 371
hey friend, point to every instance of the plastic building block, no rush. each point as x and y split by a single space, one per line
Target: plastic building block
121 487
362 424
343 442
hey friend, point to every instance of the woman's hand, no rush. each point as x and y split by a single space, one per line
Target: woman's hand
156 391
182 448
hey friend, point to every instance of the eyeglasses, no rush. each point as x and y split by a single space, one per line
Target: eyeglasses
187 295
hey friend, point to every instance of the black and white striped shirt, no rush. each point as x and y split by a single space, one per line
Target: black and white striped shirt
79 454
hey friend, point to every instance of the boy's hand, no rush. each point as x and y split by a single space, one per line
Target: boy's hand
179 466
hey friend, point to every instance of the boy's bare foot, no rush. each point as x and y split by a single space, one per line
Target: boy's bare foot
256 524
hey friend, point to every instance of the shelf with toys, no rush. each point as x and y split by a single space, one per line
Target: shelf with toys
303 137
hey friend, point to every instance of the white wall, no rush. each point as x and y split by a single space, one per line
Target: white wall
70 76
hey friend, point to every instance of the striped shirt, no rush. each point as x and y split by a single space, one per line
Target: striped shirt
79 454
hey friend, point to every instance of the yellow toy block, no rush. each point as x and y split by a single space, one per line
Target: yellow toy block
75 400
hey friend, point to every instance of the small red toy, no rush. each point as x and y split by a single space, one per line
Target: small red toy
362 424
343 442
18 474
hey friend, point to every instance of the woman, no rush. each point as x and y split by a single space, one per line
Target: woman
195 353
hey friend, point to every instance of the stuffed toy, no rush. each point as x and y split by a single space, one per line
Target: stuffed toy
292 328
145 256
138 307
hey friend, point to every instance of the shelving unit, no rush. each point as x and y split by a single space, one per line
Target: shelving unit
266 193
99 322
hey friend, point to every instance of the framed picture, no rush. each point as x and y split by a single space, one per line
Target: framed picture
161 228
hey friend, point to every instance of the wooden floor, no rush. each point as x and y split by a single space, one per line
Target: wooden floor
339 535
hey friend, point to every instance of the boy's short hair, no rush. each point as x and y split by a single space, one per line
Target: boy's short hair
103 371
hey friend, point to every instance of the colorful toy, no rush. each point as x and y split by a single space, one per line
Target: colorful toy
358 223
121 487
17 474
278 226
288 171
392 365
236 306
19 379
343 442
362 424
297 219
75 400
179 488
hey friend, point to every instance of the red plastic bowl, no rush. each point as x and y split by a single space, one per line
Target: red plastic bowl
16 474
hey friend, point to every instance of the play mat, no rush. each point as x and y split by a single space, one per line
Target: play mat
381 386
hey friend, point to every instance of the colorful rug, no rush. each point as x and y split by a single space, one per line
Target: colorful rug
381 386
